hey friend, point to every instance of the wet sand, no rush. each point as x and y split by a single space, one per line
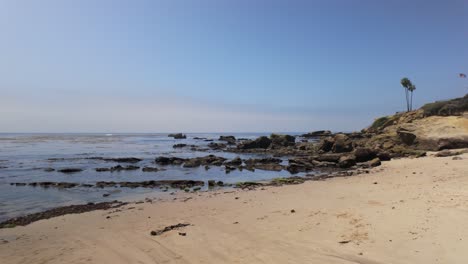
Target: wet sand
405 211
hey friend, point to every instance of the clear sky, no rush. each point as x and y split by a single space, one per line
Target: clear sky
218 65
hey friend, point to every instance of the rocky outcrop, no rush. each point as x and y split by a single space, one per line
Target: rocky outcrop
452 107
282 140
237 161
231 140
364 154
319 133
205 161
217 146
259 143
342 143
169 160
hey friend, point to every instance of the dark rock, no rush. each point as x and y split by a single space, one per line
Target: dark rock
406 137
452 143
282 140
214 145
207 160
269 167
228 169
66 185
263 161
248 185
118 168
231 140
237 161
447 153
150 169
319 133
326 144
177 136
179 145
211 183
259 143
220 183
49 169
70 170
331 157
342 144
347 161
384 156
192 163
297 165
59 211
123 160
364 154
169 160
374 163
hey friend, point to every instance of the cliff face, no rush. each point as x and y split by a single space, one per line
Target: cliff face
436 126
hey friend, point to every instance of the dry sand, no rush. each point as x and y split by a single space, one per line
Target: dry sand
406 211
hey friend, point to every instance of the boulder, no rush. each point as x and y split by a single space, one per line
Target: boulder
282 140
406 137
326 144
237 161
331 157
231 140
374 163
269 167
347 161
342 144
207 160
259 143
214 145
364 154
384 156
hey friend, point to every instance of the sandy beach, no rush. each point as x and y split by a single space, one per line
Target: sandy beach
405 211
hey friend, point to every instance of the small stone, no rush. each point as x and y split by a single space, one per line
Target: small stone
154 233
375 182
182 234
293 211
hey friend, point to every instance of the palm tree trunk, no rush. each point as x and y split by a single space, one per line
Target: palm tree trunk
407 100
411 102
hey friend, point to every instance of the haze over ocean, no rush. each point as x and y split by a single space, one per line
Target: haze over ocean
211 66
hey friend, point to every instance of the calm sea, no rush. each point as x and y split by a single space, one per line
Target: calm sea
24 158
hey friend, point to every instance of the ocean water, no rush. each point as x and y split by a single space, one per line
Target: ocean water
24 158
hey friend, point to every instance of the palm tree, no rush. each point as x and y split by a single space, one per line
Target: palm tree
409 88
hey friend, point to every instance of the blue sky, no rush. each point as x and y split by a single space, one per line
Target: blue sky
218 65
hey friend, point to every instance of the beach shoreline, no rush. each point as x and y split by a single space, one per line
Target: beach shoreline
408 210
